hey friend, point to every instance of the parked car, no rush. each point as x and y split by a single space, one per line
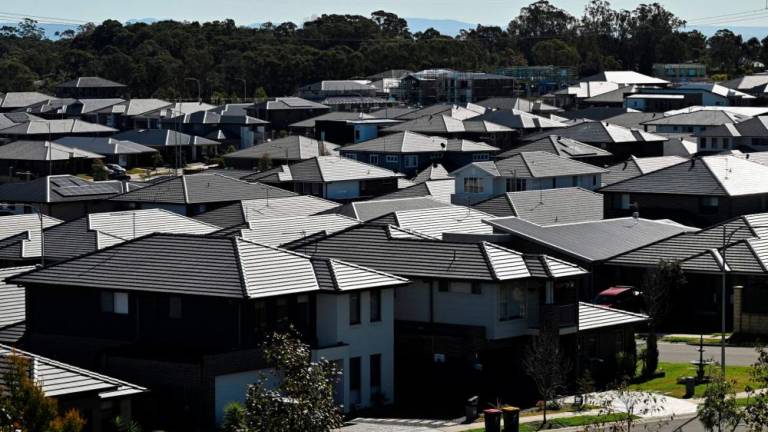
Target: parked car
620 297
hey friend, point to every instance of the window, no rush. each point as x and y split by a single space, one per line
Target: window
549 293
703 142
174 307
594 180
511 303
726 143
114 302
393 158
375 373
411 161
357 135
516 184
473 185
709 205
714 143
375 305
436 156
621 202
373 159
574 180
355 378
480 157
354 308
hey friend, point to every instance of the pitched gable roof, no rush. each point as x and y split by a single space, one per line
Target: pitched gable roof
163 138
635 166
547 206
724 175
45 151
89 82
234 268
592 316
105 145
292 148
560 146
594 132
335 115
323 169
539 164
60 188
201 188
12 299
20 235
376 246
436 221
59 126
433 172
266 208
517 119
280 231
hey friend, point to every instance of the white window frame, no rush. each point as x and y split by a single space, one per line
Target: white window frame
373 159
473 185
392 159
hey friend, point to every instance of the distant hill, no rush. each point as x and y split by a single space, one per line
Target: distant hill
445 26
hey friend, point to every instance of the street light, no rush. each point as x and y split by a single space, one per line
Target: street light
199 100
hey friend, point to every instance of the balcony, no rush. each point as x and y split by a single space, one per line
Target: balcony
553 316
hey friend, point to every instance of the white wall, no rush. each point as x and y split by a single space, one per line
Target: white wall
361 340
487 180
343 190
412 301
233 387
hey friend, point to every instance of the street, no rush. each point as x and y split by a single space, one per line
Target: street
684 353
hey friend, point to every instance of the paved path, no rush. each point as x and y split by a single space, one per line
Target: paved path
684 353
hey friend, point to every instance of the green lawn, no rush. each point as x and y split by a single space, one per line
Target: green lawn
668 384
568 422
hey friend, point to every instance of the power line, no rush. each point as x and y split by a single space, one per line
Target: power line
45 19
724 15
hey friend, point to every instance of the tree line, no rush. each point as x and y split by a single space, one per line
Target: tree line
232 62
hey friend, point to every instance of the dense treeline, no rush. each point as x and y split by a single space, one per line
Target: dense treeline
154 59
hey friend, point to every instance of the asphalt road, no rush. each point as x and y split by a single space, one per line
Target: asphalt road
684 353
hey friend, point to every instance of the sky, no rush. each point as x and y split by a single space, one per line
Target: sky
244 12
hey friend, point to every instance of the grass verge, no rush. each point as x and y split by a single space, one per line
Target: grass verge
668 385
569 422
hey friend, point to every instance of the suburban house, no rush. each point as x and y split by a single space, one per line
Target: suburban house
90 87
619 141
177 148
38 158
291 149
130 114
127 154
537 170
64 197
564 147
690 94
460 112
700 192
411 152
372 209
307 127
331 177
346 95
190 195
754 84
98 398
747 135
155 319
284 111
18 101
520 104
444 85
470 304
350 131
97 231
731 248
522 121
587 243
20 239
239 130
546 206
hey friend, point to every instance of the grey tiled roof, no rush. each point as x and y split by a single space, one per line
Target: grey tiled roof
595 132
201 188
382 247
162 138
279 231
60 188
23 99
592 240
289 103
240 212
517 119
371 209
60 379
233 268
292 148
336 115
20 235
709 175
547 206
521 104
100 230
89 82
391 112
61 126
440 190
436 221
433 172
412 142
539 164
745 236
323 169
43 151
105 145
635 166
699 118
449 110
560 146
632 120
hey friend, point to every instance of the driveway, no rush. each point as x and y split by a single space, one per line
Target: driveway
684 353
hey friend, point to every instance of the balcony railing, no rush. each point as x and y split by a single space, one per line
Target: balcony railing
553 316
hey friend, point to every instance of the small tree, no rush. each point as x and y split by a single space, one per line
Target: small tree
547 367
157 160
234 418
98 170
620 408
658 286
720 412
303 399
24 406
755 415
